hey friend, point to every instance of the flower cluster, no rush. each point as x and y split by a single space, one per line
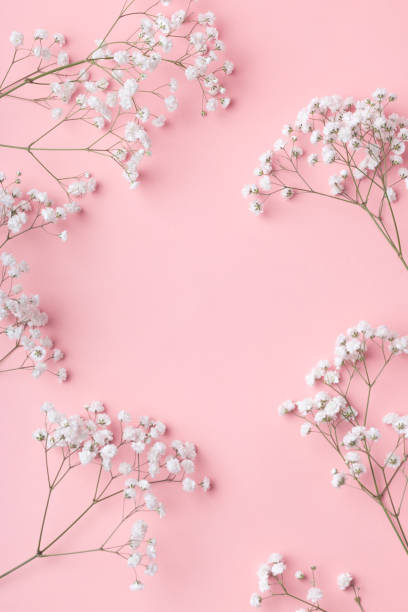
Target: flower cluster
130 461
373 461
21 321
272 584
23 211
361 143
117 87
20 315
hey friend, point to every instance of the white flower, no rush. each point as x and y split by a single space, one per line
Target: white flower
136 586
390 417
286 407
95 406
256 207
173 465
344 581
63 58
287 193
171 103
38 354
338 480
40 435
134 559
188 485
59 38
16 38
192 72
278 568
206 483
392 460
57 355
62 375
40 34
211 104
121 57
124 468
255 600
107 453
314 595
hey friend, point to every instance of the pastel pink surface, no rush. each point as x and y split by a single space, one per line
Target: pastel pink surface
173 300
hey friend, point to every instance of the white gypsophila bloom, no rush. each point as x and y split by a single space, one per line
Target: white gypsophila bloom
373 434
344 581
39 435
151 569
286 407
188 485
95 406
188 466
390 417
40 34
255 600
136 586
134 559
16 38
338 480
173 465
352 457
278 568
287 193
63 58
171 103
314 595
206 484
256 207
124 416
392 460
103 419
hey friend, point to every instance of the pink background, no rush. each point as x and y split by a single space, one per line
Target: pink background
173 300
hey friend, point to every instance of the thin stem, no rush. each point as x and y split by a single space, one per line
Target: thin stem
13 569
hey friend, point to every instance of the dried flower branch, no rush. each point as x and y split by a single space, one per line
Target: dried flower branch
21 319
363 144
271 584
130 465
109 89
347 425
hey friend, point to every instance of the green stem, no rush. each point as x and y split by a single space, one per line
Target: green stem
13 569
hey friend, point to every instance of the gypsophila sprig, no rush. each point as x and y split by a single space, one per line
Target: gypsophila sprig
23 345
372 448
361 146
121 87
128 461
274 582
